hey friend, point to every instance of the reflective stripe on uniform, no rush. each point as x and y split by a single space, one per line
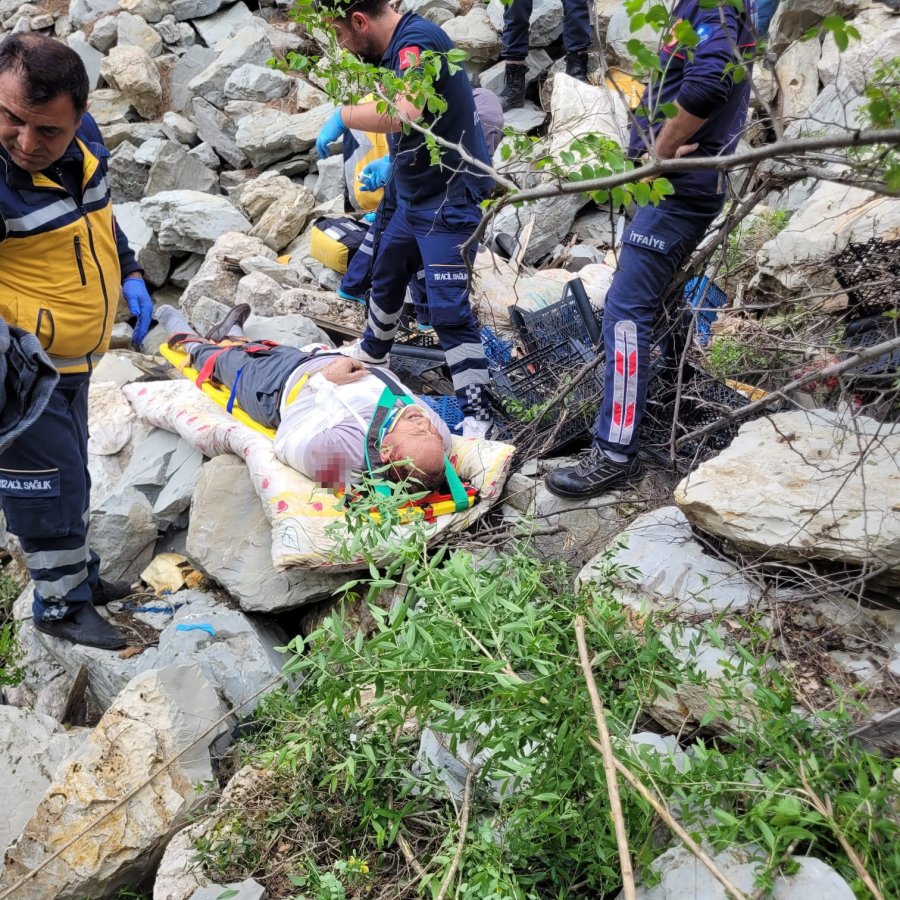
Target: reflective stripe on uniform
55 559
61 586
625 383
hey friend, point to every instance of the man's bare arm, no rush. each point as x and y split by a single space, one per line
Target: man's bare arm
673 137
367 117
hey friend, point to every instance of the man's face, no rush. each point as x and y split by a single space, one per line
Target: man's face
414 437
34 136
355 34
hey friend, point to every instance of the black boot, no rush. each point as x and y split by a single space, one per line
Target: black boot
108 591
85 626
237 315
577 65
513 94
594 475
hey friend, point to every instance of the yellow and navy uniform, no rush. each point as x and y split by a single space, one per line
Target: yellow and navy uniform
62 258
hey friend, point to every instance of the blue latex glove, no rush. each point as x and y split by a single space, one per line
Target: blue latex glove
376 174
369 217
333 129
140 305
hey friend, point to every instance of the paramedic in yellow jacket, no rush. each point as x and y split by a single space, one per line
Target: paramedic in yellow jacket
62 264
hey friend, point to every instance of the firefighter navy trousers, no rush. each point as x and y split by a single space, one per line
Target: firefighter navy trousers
654 246
577 33
432 237
46 488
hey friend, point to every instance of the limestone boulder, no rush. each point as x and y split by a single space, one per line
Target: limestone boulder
291 329
31 748
879 32
249 45
110 418
218 130
135 133
254 82
189 221
123 532
177 36
553 219
256 196
109 107
218 27
157 716
148 10
475 34
798 77
191 63
271 135
174 169
89 55
672 570
544 27
133 31
132 71
853 216
83 11
143 241
180 129
216 278
682 875
619 33
240 558
104 33
286 218
828 490
260 291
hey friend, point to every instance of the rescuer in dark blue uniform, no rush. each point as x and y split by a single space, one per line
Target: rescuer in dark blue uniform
711 110
438 205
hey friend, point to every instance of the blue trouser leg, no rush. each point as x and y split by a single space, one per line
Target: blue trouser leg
655 245
420 298
395 263
516 19
358 278
765 10
577 34
432 238
45 488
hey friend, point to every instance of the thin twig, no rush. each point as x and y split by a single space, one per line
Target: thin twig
823 808
663 812
461 842
864 356
609 763
410 856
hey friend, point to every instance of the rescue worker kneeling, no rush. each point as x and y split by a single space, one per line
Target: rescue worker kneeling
322 428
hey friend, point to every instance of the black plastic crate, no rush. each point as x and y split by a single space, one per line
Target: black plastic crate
523 388
870 332
870 274
562 321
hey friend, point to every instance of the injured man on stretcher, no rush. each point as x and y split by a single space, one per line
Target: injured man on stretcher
328 410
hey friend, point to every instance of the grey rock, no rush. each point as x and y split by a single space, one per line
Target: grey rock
682 875
136 133
154 262
148 151
109 107
248 889
434 10
553 217
673 571
272 135
249 45
175 170
22 25
131 70
83 11
133 31
117 368
282 275
127 177
41 22
284 219
240 559
192 62
581 256
190 221
475 34
90 56
253 82
218 130
123 532
186 270
827 492
256 196
205 153
619 33
545 25
208 312
166 713
177 35
148 10
179 128
259 291
306 95
181 475
185 10
104 34
63 27
526 118
222 25
661 745
31 747
597 227
293 329
239 657
215 278
330 181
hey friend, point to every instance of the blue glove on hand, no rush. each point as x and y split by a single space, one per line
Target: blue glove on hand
140 305
333 129
376 174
